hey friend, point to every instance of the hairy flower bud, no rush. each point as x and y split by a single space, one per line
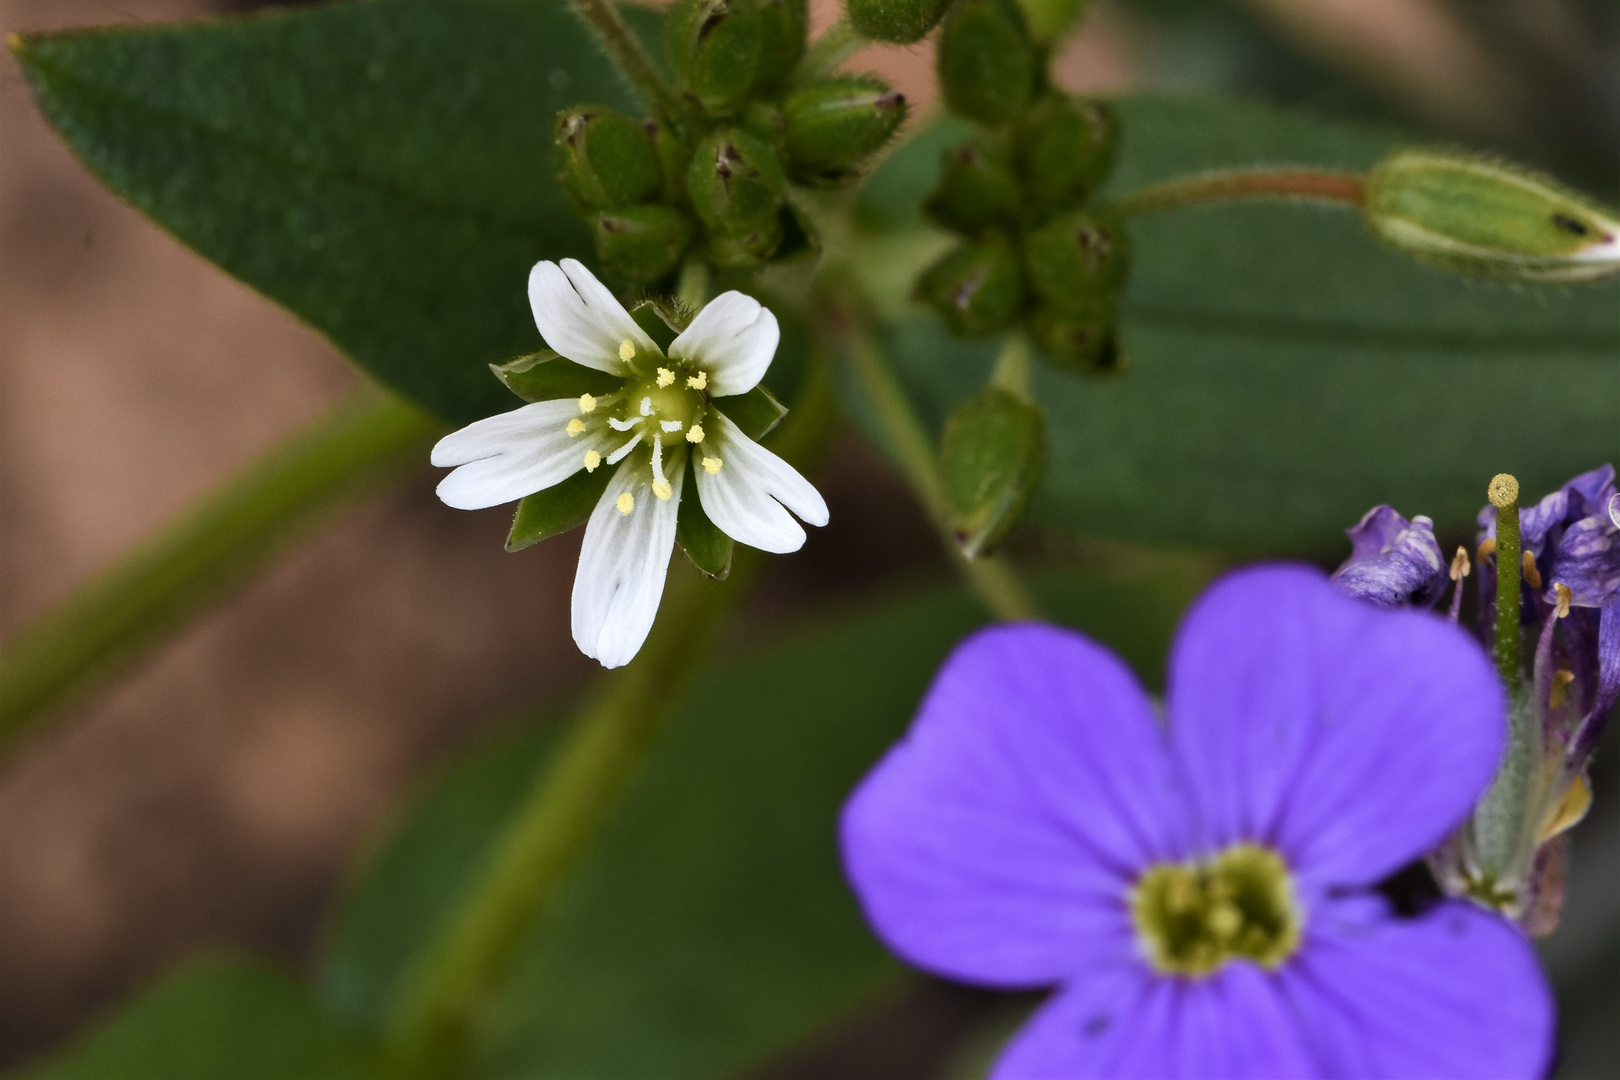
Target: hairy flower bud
1481 218
1064 148
1082 336
988 66
898 21
746 247
976 288
604 158
976 190
831 125
990 459
735 182
715 48
643 243
1075 257
783 26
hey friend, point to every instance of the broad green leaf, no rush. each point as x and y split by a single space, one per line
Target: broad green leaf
1284 371
223 1018
383 170
711 924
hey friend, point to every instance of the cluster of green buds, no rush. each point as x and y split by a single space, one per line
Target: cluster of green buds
717 178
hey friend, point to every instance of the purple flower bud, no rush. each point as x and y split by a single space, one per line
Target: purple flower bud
1393 562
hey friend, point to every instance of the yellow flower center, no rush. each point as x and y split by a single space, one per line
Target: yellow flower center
1191 918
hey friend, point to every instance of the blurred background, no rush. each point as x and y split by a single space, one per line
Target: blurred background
216 796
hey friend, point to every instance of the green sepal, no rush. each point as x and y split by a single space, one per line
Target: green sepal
1084 337
783 27
756 413
558 508
715 48
831 125
643 243
977 190
975 287
604 158
1075 257
897 21
701 539
545 376
988 66
661 319
746 248
990 459
736 182
1065 147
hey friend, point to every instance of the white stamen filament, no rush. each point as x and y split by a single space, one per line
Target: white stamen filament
646 406
618 455
670 425
658 460
623 425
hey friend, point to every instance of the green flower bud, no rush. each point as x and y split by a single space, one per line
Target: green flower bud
988 66
976 288
1049 18
976 190
1076 257
990 460
1080 336
783 24
1064 149
831 125
673 159
735 182
643 243
746 247
897 21
1477 217
715 48
604 158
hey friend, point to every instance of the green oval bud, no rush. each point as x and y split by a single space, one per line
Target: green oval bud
643 243
897 21
673 159
783 26
988 65
735 182
604 158
1076 257
976 190
990 459
831 125
976 288
714 48
1083 337
744 248
1487 220
1064 149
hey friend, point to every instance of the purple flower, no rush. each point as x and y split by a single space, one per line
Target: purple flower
1393 562
1573 540
1201 891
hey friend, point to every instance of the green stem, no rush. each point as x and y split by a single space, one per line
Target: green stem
1506 649
1012 367
838 43
111 622
602 16
995 583
576 792
1312 184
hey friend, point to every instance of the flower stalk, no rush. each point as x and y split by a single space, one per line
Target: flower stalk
602 16
1315 185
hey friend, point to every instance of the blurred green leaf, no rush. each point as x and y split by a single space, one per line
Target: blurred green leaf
1284 371
223 1018
711 924
384 170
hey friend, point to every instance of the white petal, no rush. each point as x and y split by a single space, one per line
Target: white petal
581 319
514 454
745 498
732 340
622 564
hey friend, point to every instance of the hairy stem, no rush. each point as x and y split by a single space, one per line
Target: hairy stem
1311 184
602 16
577 790
115 619
990 578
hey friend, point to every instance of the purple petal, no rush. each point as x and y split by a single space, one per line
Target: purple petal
1585 495
1351 738
997 841
1123 1023
1393 561
1587 561
1456 993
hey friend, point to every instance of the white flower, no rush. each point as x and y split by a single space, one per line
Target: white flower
647 430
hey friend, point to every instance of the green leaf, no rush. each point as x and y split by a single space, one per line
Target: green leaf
557 509
701 539
221 1018
757 412
1284 371
545 376
990 460
711 923
383 170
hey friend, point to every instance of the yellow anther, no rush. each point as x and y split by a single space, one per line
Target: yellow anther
587 403
665 376
1459 564
662 489
626 502
1224 919
1569 811
1532 576
694 434
592 460
576 426
1559 691
1487 548
627 351
698 381
711 465
1563 599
